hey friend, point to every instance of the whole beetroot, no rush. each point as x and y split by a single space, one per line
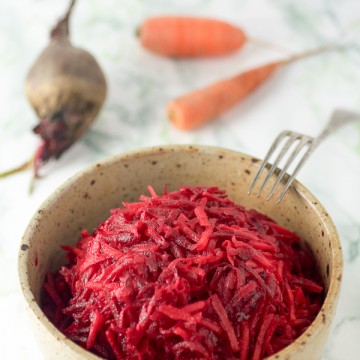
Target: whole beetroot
67 88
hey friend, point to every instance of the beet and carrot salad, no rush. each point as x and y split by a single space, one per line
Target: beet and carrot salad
185 275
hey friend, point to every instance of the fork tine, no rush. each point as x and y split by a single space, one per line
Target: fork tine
292 138
295 172
273 147
338 119
303 142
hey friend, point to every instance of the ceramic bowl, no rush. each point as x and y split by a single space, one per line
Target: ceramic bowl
84 201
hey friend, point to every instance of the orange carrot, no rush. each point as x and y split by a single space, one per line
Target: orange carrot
197 108
192 110
179 36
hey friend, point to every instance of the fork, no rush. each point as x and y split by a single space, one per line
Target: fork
305 143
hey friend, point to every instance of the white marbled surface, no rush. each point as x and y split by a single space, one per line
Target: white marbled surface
300 97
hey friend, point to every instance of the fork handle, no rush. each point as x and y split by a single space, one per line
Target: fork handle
338 119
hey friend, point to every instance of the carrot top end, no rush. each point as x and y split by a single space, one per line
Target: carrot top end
138 31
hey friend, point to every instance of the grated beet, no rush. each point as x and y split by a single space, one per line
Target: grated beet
188 274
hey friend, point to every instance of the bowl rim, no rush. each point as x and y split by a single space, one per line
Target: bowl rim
335 280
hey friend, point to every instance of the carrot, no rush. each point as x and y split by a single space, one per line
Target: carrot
180 36
197 108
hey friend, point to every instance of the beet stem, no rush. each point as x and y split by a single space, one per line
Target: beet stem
61 29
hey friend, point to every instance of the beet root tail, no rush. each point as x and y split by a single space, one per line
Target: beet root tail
24 166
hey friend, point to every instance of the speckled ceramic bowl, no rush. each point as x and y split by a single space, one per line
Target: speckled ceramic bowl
84 201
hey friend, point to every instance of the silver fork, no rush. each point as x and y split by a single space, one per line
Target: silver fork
306 143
